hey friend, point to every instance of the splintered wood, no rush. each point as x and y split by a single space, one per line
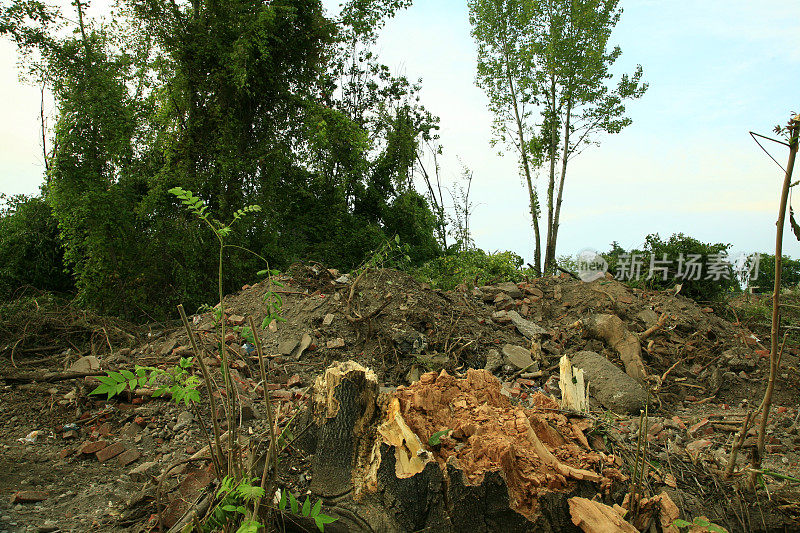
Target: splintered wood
536 450
573 387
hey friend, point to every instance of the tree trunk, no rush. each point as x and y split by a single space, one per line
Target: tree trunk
551 250
551 182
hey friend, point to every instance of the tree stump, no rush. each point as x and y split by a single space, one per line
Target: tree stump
496 466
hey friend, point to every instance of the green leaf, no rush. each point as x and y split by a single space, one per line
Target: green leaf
128 374
294 504
436 438
681 523
307 506
282 503
107 380
716 529
229 508
116 376
702 522
249 526
317 508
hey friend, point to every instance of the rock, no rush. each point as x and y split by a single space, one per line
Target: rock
88 363
518 357
287 347
648 317
144 471
510 288
413 374
185 418
611 386
328 320
409 341
694 448
131 429
167 346
236 320
503 301
305 342
29 496
249 411
529 329
109 452
535 292
294 381
738 359
493 361
335 343
128 456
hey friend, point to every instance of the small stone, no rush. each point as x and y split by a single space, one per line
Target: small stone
328 320
510 288
105 429
128 456
236 320
110 451
66 452
287 346
87 363
305 342
517 356
71 434
143 472
335 343
493 361
294 381
131 429
529 329
185 418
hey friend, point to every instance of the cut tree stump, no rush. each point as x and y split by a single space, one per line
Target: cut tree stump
496 467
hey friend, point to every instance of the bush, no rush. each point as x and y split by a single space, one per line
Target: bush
474 267
30 250
710 285
790 274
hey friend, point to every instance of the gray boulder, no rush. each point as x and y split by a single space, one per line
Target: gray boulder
610 385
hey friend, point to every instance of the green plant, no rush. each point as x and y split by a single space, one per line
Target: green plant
306 510
472 267
700 522
182 387
436 438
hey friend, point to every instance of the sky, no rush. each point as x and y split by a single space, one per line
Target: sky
716 71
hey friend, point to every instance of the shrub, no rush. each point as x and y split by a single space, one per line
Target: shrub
710 286
474 267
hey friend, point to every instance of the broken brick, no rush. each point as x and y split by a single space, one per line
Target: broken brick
29 496
282 395
128 456
110 451
294 381
335 343
92 447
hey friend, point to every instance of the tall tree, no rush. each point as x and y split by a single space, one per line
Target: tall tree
559 64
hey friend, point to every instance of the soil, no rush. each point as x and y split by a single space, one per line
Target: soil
705 373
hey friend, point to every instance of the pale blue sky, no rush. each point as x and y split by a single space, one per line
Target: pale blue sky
716 70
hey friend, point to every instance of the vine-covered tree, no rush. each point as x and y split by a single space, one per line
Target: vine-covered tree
241 102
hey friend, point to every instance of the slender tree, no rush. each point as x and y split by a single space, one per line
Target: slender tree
545 65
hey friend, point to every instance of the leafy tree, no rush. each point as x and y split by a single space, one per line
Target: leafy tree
550 59
30 250
265 103
790 273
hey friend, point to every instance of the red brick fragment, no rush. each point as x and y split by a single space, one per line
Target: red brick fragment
128 456
110 451
29 496
92 447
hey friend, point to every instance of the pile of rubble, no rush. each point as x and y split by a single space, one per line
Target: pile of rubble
477 368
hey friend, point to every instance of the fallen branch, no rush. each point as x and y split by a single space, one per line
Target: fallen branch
737 444
49 377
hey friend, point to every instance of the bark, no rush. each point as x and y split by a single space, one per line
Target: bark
551 182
